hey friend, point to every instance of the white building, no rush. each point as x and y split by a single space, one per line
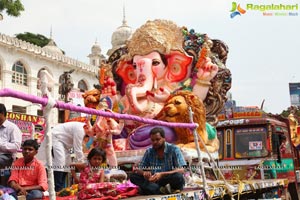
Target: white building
21 62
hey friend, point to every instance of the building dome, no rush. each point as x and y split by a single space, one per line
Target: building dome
96 48
51 46
95 56
120 36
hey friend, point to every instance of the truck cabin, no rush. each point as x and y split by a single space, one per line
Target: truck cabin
253 138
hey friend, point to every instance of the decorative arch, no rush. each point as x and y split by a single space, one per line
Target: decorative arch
26 65
82 85
19 73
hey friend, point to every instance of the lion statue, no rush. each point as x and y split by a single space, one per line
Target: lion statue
176 109
92 98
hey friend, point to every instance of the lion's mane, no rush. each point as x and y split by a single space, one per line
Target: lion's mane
180 113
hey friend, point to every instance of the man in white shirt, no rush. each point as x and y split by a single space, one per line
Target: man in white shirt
10 142
64 137
10 139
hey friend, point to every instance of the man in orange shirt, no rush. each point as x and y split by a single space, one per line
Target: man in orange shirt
28 174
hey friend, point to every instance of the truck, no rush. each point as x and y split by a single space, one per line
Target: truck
256 145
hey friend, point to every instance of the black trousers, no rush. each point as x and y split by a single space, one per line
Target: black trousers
176 181
59 180
6 160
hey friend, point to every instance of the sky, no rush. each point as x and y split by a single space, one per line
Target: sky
264 51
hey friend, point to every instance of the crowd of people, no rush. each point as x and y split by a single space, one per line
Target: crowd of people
28 175
159 172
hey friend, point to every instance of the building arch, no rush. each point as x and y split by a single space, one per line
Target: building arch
20 74
82 85
27 66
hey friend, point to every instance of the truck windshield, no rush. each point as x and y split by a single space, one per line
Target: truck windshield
250 142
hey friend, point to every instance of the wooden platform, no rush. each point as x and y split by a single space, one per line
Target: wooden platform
215 189
218 190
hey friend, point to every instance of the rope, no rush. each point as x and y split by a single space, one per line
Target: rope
6 92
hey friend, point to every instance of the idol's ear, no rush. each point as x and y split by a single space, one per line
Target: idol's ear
126 71
179 66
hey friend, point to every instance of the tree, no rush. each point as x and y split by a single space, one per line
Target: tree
12 7
37 39
295 109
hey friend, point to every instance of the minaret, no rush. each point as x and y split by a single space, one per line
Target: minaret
51 33
124 22
96 57
51 41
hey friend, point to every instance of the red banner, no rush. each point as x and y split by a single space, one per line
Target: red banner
32 127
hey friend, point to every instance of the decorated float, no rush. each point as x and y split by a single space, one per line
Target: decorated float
166 76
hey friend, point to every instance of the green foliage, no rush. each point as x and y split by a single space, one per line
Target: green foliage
12 7
37 39
285 113
294 109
